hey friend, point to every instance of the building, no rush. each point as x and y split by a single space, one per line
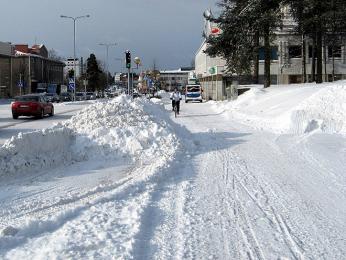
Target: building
24 69
170 79
69 65
6 48
286 65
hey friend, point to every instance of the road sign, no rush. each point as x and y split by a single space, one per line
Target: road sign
20 84
213 70
71 84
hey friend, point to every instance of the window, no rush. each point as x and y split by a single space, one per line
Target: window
295 51
310 52
273 54
336 50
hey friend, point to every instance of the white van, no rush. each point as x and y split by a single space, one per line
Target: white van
193 93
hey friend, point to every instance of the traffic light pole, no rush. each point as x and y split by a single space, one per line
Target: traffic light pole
128 82
128 65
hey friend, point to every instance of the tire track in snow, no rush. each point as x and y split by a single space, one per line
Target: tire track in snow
141 185
247 232
275 219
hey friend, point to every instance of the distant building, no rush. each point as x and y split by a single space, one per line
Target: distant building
69 65
39 50
6 48
170 79
117 77
28 67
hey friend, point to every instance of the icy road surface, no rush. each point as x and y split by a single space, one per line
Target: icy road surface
225 191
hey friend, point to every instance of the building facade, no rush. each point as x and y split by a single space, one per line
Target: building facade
25 72
70 63
286 65
171 79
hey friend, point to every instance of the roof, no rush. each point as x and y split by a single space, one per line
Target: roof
174 71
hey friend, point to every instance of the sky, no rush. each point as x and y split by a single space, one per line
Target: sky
167 32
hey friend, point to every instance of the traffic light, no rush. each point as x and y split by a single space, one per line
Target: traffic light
70 74
128 59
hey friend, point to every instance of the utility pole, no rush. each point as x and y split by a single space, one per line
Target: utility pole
107 45
74 48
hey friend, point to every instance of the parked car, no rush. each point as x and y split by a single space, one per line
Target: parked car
90 96
31 105
65 96
52 97
80 96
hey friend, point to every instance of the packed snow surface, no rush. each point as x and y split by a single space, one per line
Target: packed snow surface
262 177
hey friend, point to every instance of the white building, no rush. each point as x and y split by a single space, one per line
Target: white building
171 79
70 66
286 66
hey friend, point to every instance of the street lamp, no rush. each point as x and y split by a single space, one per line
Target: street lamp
107 45
74 47
137 61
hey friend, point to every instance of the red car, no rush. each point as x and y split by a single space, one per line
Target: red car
32 105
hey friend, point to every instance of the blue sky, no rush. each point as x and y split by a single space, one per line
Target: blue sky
167 31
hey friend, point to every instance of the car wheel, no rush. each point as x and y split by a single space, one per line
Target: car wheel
14 116
185 101
52 112
42 114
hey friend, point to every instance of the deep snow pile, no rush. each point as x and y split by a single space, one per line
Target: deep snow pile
121 128
292 109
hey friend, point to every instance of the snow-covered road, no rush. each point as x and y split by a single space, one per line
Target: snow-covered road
203 186
248 194
10 127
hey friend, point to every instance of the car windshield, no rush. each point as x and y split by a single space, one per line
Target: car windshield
27 98
79 94
193 89
50 94
64 94
90 93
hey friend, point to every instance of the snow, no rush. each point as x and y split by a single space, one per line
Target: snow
262 177
292 109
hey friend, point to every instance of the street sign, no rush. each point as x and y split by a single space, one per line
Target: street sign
71 84
20 84
213 70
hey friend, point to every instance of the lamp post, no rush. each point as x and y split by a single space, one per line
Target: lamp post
107 45
74 48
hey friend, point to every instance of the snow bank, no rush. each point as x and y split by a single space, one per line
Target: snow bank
294 109
122 127
324 111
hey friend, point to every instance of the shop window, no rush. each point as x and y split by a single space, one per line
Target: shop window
273 54
310 52
334 50
295 51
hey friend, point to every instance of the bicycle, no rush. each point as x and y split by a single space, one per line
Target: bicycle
175 109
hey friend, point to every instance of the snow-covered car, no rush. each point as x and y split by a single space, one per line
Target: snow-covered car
80 96
90 96
52 97
65 96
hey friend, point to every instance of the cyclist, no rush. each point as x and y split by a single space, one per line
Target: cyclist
176 97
